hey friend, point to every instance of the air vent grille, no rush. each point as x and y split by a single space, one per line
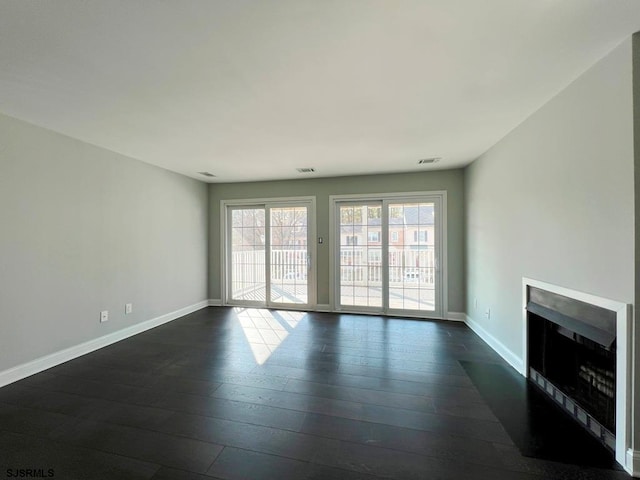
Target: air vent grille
207 174
306 170
426 161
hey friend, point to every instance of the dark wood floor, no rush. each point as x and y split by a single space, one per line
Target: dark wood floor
341 397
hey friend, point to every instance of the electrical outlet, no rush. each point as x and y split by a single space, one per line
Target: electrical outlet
128 308
104 316
487 313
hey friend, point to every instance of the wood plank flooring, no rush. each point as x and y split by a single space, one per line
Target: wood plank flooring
237 393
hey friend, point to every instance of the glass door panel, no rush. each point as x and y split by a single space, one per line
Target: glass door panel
247 263
411 256
360 250
289 260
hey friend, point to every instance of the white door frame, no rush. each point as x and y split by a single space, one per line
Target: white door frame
225 248
439 198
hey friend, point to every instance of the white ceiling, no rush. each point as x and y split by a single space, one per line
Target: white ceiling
250 90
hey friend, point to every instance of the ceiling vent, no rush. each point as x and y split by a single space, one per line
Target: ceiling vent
426 161
207 174
306 170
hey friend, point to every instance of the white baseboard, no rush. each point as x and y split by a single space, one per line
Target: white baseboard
215 302
457 316
633 463
323 307
510 357
43 363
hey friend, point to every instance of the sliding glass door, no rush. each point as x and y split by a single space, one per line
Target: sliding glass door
388 253
268 256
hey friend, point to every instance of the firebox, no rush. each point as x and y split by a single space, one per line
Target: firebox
572 357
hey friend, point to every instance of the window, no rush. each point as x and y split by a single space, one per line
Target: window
420 236
374 236
394 237
352 240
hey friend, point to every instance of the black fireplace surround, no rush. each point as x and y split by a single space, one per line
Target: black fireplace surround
572 357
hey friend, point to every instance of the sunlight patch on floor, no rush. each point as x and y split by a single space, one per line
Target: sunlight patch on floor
291 318
266 330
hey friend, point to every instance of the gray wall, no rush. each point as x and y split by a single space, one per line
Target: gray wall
321 188
636 142
554 201
84 229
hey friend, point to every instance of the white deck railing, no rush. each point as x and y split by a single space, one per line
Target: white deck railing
358 266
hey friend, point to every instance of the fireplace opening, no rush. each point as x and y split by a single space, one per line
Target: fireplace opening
572 357
581 368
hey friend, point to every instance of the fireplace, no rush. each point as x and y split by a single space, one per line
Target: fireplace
576 351
572 357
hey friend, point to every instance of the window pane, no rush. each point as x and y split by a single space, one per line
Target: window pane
360 255
411 256
289 255
247 254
